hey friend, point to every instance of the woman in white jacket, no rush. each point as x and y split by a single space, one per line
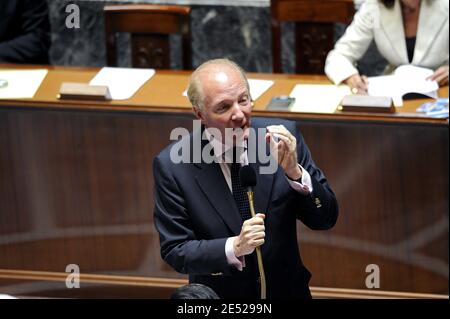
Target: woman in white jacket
405 32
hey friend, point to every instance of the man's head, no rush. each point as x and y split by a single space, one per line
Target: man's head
220 95
194 291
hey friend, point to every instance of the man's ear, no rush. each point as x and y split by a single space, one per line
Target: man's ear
198 114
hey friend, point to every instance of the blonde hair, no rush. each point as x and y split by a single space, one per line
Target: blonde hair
195 89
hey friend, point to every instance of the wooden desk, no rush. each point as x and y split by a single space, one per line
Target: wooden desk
158 95
76 187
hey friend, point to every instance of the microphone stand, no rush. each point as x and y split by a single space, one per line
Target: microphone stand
258 249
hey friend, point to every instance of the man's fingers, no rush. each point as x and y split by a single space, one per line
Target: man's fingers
283 138
280 129
253 228
260 215
258 242
288 140
282 133
271 141
258 229
256 235
257 220
253 233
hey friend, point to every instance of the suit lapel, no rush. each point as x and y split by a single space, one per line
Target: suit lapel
392 25
212 182
431 20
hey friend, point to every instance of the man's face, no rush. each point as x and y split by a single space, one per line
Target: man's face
226 100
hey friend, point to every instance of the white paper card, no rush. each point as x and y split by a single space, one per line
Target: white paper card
258 87
123 83
318 98
21 83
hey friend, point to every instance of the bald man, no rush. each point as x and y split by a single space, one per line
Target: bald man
204 225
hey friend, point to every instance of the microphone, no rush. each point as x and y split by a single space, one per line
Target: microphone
247 177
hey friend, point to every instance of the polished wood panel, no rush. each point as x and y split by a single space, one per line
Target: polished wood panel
150 27
393 205
314 30
52 284
76 187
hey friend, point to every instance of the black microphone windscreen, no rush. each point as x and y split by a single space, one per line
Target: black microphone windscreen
247 176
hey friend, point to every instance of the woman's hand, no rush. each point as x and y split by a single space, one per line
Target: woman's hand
358 84
440 76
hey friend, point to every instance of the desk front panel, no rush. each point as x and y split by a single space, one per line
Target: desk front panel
76 187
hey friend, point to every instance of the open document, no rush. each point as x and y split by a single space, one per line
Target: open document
407 80
123 83
20 84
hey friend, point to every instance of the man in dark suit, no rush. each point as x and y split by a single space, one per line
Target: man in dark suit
202 223
24 31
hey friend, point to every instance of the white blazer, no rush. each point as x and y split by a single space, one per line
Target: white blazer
374 21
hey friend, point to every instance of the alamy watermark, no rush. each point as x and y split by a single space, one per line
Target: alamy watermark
255 140
373 279
73 17
73 279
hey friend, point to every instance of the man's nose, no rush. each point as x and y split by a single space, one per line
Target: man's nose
237 112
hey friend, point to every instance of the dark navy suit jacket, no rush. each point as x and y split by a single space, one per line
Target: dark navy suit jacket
195 213
24 31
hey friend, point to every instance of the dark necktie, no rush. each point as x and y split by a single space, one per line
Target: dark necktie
239 193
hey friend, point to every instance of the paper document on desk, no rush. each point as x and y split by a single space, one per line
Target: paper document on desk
258 87
318 98
21 83
123 83
406 80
